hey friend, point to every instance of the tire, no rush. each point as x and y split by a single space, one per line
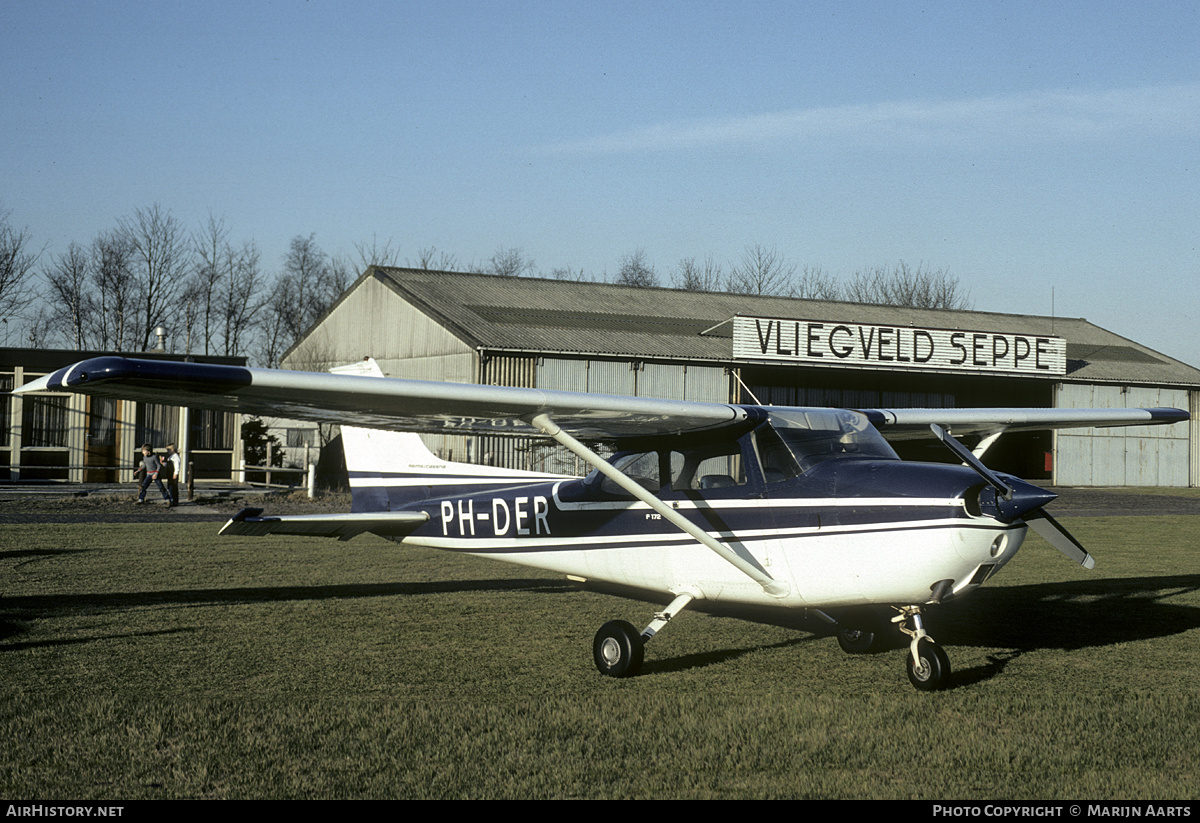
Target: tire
618 649
855 640
933 673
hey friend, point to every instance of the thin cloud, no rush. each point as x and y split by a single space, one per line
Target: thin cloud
1035 116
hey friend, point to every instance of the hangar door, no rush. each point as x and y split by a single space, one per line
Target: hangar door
1133 456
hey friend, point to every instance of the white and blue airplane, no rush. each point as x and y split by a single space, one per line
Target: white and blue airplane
734 509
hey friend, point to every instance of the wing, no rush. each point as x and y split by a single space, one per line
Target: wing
371 402
423 406
908 424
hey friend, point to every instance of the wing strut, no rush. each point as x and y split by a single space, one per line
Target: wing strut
770 585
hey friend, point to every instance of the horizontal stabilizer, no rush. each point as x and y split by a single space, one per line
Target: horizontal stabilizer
342 526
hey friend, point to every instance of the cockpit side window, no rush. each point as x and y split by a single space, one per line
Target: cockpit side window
701 468
707 469
642 467
776 459
795 441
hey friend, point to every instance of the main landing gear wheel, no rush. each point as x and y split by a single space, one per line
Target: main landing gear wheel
931 670
855 640
618 649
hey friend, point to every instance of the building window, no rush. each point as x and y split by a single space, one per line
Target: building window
211 430
44 422
299 438
157 424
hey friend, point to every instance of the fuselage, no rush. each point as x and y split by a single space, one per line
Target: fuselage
845 533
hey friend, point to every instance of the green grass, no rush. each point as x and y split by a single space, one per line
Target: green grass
147 662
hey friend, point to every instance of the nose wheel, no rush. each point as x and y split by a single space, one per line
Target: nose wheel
928 668
927 665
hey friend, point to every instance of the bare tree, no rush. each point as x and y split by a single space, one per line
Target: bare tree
509 263
691 275
225 292
39 328
214 260
574 275
71 302
902 285
162 257
342 273
815 283
306 287
273 335
762 270
636 271
242 299
344 270
116 292
430 259
17 260
376 255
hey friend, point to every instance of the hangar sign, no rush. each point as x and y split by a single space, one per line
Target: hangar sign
822 343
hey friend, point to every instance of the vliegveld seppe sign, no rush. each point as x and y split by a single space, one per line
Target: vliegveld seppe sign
825 343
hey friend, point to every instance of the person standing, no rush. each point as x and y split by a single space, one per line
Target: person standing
171 472
150 469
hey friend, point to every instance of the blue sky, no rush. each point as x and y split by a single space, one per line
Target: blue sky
1025 147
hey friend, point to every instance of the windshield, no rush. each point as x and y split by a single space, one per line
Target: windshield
796 440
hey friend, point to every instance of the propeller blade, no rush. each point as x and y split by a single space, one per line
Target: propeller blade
1053 533
1017 499
993 480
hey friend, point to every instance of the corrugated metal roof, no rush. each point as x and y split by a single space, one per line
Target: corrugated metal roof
566 317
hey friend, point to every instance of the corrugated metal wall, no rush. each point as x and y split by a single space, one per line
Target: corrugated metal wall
372 322
618 377
1194 460
631 378
1134 456
512 452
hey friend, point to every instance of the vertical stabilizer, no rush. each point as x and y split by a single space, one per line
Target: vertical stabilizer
390 469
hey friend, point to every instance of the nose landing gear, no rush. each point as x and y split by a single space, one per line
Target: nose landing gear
927 665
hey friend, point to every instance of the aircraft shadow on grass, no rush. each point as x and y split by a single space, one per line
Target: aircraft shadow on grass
1071 615
17 612
1018 619
28 555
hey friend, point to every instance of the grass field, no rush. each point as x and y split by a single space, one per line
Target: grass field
160 662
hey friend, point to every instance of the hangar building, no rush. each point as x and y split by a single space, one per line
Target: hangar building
718 347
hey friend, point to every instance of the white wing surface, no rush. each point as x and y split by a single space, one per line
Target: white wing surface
423 406
904 424
371 402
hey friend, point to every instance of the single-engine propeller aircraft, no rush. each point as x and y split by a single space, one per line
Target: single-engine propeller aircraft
730 508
